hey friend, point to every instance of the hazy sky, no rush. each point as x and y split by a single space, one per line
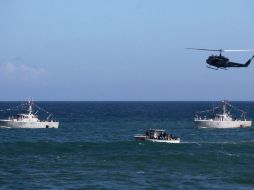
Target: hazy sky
123 50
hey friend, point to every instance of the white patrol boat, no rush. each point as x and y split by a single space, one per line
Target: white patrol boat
222 119
28 120
157 135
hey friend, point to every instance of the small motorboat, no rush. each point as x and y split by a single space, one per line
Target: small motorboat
157 135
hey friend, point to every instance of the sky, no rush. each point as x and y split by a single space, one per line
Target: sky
111 50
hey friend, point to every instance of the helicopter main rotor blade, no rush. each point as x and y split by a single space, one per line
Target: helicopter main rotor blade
205 49
237 50
223 50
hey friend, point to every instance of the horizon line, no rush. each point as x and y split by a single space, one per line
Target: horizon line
127 100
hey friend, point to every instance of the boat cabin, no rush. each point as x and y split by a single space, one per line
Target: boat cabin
159 134
27 117
222 117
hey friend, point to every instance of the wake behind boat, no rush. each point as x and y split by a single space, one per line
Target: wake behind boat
28 120
157 135
221 119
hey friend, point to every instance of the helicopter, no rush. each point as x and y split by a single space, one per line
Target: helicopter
221 62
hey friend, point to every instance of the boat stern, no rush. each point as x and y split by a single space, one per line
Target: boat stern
140 137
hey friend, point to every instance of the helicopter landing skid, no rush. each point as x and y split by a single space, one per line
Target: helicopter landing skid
214 68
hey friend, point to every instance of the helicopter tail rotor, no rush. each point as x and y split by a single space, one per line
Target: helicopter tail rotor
248 62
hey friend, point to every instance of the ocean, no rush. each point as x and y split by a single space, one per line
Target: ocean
94 148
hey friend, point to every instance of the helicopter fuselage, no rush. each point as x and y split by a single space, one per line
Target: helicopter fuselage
218 61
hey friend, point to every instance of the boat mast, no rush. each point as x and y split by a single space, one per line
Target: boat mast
224 107
30 108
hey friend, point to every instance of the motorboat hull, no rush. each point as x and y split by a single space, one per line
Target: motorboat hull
146 138
222 124
33 125
165 141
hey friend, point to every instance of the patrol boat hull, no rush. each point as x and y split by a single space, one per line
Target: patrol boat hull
32 125
222 124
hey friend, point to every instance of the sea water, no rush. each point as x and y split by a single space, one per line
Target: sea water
94 148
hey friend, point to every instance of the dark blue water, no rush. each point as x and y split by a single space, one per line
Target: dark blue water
94 149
